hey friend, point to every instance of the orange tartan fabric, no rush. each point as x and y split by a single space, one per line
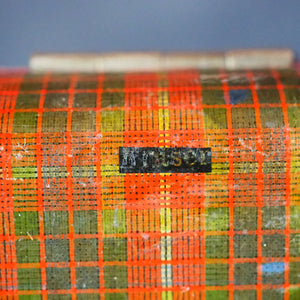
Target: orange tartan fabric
73 225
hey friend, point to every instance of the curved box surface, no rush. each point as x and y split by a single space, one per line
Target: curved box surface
86 214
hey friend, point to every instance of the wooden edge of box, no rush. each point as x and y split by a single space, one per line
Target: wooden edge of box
155 61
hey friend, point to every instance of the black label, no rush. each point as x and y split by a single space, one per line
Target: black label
164 160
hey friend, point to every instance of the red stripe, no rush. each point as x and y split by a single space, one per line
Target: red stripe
287 183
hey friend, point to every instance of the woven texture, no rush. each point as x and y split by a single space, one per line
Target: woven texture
73 227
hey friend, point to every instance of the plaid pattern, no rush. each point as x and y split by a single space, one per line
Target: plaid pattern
73 227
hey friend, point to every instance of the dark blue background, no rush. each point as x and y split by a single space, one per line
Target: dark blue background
165 25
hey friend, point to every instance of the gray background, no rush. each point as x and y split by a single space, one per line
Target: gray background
28 26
